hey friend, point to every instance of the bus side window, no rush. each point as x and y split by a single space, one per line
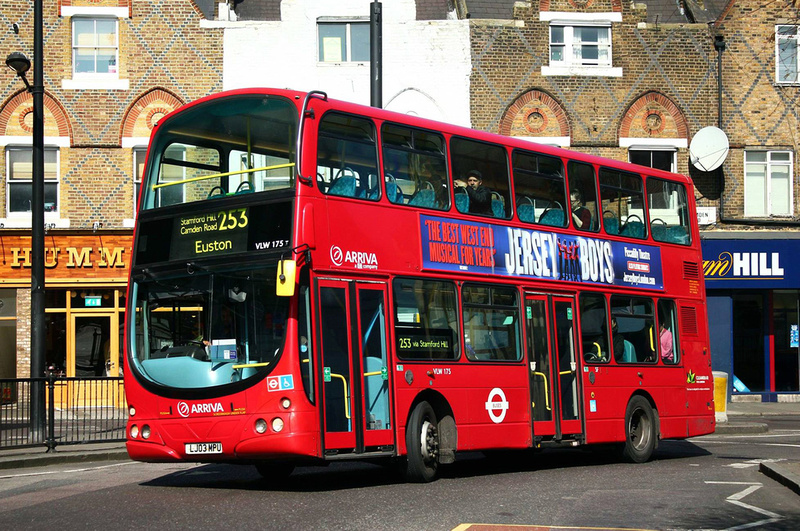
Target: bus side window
594 328
347 157
414 167
540 189
669 215
668 344
633 332
491 323
581 179
491 163
426 319
623 203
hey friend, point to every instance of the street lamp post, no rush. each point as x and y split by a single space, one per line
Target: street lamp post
21 64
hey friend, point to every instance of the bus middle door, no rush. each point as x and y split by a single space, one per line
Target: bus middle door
356 404
555 391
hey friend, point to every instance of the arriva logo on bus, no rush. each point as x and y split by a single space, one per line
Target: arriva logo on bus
356 259
184 409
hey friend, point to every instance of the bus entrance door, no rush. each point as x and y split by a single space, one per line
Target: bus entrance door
356 405
555 398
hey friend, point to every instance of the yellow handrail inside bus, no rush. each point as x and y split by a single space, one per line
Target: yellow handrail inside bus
226 174
246 365
375 373
346 395
546 391
652 342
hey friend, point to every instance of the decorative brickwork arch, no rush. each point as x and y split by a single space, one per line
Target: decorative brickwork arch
16 117
535 113
653 115
146 110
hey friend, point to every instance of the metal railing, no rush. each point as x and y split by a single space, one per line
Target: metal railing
78 410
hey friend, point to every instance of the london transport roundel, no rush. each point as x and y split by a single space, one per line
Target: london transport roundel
497 405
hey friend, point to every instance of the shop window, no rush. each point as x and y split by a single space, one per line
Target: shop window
594 328
8 338
491 323
426 319
768 183
633 333
343 42
19 175
787 58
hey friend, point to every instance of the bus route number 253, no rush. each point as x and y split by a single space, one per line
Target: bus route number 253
232 219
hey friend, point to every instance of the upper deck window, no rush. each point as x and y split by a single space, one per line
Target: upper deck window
347 157
669 211
222 148
415 167
623 203
487 162
540 189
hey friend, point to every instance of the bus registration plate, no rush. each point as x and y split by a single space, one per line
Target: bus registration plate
204 448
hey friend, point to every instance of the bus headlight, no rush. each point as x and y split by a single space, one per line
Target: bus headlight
134 431
261 426
131 411
286 403
145 431
277 424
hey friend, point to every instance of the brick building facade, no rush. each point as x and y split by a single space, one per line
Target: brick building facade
112 68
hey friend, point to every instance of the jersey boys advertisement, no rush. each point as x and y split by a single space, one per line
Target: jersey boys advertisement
457 245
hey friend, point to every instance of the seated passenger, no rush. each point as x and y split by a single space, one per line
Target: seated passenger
480 197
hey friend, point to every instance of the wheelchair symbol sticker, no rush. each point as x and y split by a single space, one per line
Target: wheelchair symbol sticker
280 383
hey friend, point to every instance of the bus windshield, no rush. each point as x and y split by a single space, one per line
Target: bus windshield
222 148
208 329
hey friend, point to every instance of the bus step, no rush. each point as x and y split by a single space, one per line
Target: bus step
364 455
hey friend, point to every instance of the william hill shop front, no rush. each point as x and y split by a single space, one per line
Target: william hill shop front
85 287
753 289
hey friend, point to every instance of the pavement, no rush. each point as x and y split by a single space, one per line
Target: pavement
743 418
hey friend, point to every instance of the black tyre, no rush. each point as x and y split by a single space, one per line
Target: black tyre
640 431
422 443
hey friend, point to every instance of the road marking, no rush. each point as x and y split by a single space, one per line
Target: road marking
736 498
753 462
50 472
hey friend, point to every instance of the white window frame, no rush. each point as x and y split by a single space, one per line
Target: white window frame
94 81
569 21
770 165
26 214
348 23
779 38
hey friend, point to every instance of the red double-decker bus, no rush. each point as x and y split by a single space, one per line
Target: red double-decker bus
315 280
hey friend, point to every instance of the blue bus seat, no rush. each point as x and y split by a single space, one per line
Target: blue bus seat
424 198
526 213
633 229
552 217
629 356
611 225
659 232
462 201
498 207
344 186
677 234
393 192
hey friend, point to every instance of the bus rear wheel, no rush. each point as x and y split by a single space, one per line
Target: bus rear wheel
422 445
640 431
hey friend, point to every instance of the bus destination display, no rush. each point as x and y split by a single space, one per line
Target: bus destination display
202 235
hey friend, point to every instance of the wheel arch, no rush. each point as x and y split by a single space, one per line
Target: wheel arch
448 432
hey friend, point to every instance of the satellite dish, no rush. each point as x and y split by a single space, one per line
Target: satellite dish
708 149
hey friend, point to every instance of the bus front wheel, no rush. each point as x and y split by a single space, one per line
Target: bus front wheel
640 431
422 444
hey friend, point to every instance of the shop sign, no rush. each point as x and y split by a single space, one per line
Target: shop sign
85 257
751 264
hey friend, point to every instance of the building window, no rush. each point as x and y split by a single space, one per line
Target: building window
95 46
659 159
787 58
580 45
768 183
139 155
341 42
19 173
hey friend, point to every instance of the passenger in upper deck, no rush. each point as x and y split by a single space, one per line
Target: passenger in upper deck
581 217
480 197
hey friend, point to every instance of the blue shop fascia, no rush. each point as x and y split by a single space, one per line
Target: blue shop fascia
753 289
